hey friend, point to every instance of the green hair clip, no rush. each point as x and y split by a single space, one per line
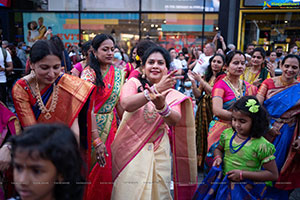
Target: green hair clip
252 104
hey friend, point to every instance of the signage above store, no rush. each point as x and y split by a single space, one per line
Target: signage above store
273 3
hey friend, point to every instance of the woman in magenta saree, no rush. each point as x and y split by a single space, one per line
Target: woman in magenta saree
224 94
141 150
281 97
105 103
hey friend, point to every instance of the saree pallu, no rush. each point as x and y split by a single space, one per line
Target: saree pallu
148 174
204 115
74 96
105 100
284 109
134 133
214 186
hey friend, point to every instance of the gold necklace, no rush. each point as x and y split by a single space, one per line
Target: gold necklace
40 102
149 116
238 93
284 83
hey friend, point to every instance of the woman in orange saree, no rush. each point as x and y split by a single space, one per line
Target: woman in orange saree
141 149
109 80
224 94
49 96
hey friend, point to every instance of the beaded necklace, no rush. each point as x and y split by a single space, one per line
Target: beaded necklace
235 149
40 102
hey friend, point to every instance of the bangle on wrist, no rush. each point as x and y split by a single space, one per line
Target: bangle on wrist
97 142
155 89
165 112
241 175
146 94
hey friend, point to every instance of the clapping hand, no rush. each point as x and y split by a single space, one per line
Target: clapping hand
271 68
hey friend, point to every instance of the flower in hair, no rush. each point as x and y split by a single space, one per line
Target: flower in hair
252 104
137 58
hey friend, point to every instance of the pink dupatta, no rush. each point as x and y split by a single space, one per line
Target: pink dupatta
130 140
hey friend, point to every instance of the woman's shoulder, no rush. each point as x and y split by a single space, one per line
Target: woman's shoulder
270 81
88 69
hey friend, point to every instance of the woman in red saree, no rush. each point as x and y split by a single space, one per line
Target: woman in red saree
281 97
109 80
141 150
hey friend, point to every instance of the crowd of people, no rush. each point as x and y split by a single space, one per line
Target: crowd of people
103 125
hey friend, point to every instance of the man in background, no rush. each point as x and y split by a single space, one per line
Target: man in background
203 61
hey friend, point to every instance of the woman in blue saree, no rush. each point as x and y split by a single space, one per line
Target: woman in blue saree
281 97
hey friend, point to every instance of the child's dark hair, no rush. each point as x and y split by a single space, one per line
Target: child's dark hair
43 48
151 50
94 63
260 119
57 143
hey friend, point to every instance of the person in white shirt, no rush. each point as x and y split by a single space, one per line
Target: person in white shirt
203 61
175 63
3 70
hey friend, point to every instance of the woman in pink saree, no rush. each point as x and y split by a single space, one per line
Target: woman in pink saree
141 158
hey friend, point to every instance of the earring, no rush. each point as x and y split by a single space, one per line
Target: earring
32 73
143 76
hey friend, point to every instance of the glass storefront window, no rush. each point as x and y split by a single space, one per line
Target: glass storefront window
124 27
46 5
271 29
178 30
179 5
110 5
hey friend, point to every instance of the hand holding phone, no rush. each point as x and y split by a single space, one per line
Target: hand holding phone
219 34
